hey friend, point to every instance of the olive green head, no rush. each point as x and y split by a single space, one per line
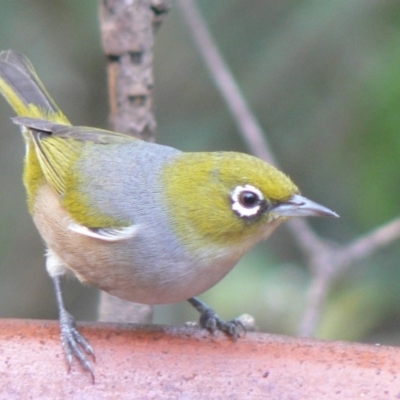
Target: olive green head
227 198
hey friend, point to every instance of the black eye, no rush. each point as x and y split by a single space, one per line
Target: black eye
248 199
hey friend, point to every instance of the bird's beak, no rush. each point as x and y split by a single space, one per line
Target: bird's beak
299 206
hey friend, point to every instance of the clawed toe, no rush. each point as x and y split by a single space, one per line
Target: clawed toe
74 343
210 320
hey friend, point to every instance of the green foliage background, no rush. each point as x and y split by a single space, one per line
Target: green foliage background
322 77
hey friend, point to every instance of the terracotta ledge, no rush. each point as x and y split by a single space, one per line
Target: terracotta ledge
159 362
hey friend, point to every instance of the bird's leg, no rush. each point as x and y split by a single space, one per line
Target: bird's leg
210 320
74 344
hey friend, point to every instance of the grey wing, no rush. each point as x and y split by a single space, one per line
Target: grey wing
82 133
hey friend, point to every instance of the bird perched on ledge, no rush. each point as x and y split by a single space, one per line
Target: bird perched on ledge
144 222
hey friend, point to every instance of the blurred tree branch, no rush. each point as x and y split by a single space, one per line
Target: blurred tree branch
325 260
127 28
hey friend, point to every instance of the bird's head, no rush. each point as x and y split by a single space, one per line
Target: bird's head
230 199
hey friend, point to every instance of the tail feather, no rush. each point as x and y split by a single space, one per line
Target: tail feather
24 91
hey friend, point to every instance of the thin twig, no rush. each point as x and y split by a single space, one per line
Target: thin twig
369 243
333 262
316 300
252 132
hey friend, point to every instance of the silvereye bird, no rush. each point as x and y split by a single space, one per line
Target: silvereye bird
144 222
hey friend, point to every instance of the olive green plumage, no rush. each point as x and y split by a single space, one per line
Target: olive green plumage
198 187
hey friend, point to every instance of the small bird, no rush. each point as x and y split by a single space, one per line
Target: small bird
142 221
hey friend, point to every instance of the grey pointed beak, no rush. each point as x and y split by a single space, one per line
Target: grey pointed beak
299 206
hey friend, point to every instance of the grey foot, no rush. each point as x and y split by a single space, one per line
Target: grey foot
75 344
210 320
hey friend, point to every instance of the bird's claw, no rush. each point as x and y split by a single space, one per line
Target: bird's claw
74 343
210 320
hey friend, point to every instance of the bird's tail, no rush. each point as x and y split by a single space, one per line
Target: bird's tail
24 91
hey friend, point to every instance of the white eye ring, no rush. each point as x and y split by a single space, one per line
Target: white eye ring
249 210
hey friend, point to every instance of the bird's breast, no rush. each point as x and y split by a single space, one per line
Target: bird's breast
152 267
